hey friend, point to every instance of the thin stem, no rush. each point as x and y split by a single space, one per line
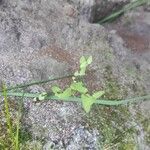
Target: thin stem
36 83
18 123
128 7
78 99
8 116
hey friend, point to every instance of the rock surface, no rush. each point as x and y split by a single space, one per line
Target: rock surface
45 38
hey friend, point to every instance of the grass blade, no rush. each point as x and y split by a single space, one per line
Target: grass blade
18 124
126 8
8 116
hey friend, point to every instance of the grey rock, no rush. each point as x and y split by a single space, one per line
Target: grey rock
102 8
44 38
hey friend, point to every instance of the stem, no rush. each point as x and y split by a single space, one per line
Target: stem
8 116
78 99
36 83
126 8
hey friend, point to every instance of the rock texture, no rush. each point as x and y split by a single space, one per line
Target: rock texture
102 8
45 38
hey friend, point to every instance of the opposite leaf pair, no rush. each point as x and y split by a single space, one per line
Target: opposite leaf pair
84 62
78 87
88 100
74 87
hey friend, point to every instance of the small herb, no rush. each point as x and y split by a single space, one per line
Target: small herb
88 100
42 96
77 87
60 93
84 62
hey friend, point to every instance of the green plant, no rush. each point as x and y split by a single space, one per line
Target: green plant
84 62
126 8
70 94
77 87
12 138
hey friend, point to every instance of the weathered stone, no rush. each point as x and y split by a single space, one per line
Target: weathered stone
103 8
45 38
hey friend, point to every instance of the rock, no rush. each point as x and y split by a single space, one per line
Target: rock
45 38
94 10
102 8
80 136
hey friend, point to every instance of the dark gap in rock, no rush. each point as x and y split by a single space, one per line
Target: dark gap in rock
103 9
1 2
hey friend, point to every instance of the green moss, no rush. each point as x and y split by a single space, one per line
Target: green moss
113 122
109 55
131 71
136 77
32 145
113 89
24 135
144 121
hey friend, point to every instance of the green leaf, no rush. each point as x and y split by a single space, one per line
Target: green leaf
42 96
56 89
98 94
83 65
65 94
87 102
76 74
89 60
82 71
78 86
82 60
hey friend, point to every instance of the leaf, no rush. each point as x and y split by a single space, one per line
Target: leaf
98 94
82 71
87 102
65 94
73 78
83 65
42 96
89 60
82 60
78 86
56 89
76 74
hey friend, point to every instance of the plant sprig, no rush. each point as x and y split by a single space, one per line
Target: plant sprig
77 87
84 62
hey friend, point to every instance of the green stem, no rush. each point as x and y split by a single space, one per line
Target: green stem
36 83
126 8
77 99
8 115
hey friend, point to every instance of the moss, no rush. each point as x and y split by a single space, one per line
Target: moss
24 135
113 122
109 55
137 78
113 89
144 121
32 145
131 71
